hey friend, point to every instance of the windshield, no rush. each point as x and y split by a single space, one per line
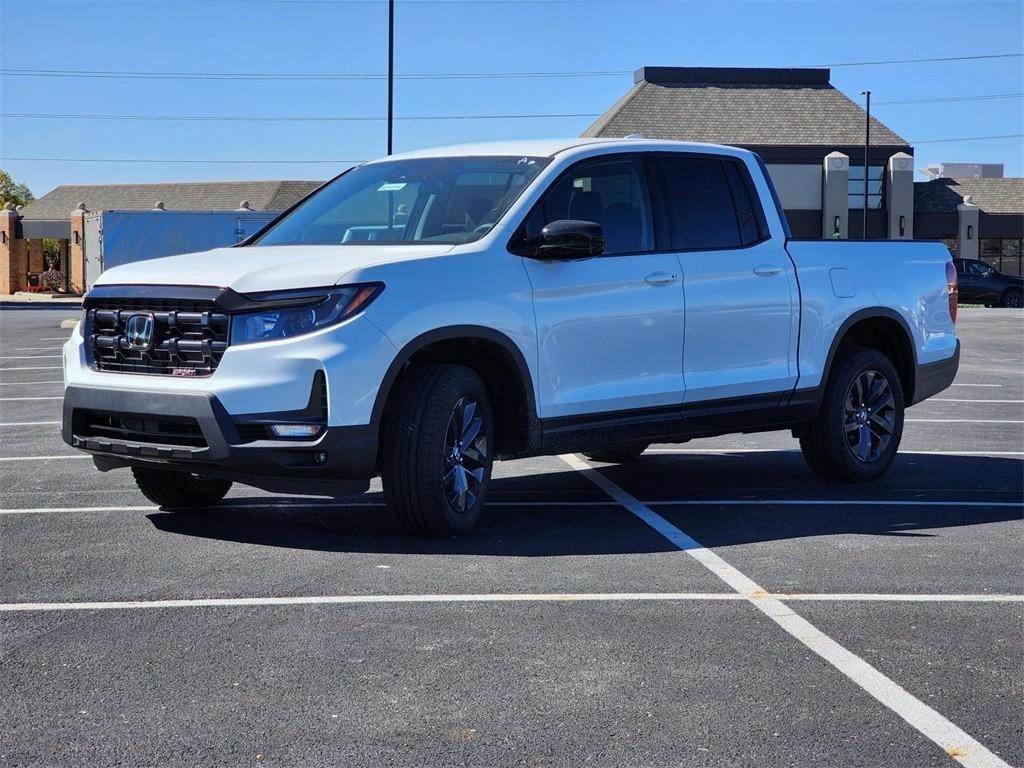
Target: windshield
429 200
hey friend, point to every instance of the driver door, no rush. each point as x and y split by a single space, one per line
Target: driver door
609 328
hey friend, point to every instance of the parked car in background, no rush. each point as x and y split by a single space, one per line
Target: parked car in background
425 314
981 284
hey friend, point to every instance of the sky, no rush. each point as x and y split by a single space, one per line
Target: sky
349 37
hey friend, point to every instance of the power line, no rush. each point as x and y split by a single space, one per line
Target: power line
282 119
939 99
353 162
162 160
314 76
921 61
425 2
376 118
152 75
966 138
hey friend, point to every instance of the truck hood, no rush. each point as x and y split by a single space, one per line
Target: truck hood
265 268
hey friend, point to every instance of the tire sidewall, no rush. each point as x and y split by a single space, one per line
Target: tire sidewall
833 413
414 450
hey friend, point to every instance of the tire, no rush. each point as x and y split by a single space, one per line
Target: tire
618 454
1012 298
437 450
849 441
180 490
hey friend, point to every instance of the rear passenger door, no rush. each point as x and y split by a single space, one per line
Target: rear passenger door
739 285
609 328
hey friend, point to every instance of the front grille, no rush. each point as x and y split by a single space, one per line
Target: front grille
138 428
189 336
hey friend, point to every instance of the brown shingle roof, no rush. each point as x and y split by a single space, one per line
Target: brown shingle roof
183 196
754 107
990 195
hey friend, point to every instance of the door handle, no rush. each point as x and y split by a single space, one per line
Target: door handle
767 270
661 278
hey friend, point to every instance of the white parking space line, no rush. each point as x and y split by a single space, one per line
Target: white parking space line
19 399
45 458
34 349
976 385
299 505
969 400
831 502
733 451
54 338
956 742
28 423
33 368
30 357
23 383
966 421
500 597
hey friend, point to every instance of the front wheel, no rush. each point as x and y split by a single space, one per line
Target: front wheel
180 490
858 430
437 450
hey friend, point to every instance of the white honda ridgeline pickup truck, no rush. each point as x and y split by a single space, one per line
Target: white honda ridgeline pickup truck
422 315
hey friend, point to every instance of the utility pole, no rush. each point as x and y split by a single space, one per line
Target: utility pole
391 71
867 147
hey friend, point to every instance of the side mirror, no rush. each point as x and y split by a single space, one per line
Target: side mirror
570 239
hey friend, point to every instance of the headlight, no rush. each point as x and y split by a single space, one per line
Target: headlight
293 313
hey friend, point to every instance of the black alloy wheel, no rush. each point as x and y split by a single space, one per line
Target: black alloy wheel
870 416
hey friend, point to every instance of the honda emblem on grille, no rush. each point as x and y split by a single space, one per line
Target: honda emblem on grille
139 332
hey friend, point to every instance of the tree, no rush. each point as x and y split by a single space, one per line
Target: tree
13 192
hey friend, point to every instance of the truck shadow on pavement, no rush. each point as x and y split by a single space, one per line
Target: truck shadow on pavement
520 524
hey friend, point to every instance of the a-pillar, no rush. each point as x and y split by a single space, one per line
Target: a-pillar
900 198
76 256
835 207
968 215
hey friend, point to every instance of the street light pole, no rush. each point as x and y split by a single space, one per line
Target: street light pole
391 71
867 147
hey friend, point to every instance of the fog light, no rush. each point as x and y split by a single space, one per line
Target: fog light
295 430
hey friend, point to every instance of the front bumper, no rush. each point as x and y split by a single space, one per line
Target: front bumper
341 460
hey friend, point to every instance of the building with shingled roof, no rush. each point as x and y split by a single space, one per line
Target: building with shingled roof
809 133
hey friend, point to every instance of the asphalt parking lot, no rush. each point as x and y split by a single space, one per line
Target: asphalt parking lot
711 604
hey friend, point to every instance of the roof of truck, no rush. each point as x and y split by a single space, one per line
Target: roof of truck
539 147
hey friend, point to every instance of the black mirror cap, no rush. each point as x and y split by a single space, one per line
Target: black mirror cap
571 239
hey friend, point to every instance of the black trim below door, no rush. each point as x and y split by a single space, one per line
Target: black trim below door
678 423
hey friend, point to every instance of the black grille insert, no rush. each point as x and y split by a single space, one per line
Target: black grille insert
189 336
138 428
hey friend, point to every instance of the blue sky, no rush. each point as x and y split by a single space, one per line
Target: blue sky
458 36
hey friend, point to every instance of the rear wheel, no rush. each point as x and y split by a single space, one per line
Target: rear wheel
858 430
180 490
618 454
1012 298
437 450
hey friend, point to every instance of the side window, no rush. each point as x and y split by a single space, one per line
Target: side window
977 268
612 193
748 213
700 206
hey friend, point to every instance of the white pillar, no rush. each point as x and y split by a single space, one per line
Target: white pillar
900 196
968 215
835 208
